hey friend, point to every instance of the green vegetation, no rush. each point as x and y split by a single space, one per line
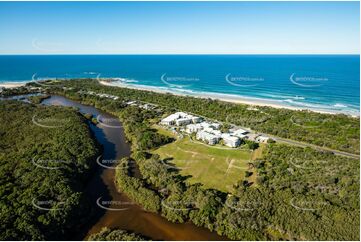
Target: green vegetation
38 99
206 164
322 189
135 189
43 171
301 194
338 132
107 234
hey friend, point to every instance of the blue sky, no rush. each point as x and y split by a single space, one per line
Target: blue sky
179 28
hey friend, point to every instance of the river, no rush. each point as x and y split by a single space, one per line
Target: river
121 212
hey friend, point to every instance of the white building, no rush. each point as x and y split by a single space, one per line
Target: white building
217 133
170 120
216 125
131 102
180 118
207 137
239 132
232 141
196 119
193 128
242 136
183 121
205 124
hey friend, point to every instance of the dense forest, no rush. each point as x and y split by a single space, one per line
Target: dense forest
107 234
301 193
339 132
46 157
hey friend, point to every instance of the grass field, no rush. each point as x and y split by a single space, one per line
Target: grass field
214 167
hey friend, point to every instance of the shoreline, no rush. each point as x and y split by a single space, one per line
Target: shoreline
13 84
253 102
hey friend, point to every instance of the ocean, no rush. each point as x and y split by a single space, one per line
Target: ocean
328 83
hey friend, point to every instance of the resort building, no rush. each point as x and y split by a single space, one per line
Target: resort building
209 132
232 141
196 119
239 132
180 118
216 125
183 121
170 120
193 128
207 137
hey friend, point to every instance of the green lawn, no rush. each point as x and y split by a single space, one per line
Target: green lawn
214 167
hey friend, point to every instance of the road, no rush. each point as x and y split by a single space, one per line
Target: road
284 140
302 144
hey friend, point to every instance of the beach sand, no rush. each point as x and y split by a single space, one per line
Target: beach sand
12 84
215 96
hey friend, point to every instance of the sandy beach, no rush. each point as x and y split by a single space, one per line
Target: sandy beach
215 96
12 84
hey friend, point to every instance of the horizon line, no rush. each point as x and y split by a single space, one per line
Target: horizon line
179 54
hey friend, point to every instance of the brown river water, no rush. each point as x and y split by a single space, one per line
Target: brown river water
112 208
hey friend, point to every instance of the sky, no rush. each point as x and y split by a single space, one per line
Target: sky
179 28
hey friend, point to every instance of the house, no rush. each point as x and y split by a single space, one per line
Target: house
232 141
207 137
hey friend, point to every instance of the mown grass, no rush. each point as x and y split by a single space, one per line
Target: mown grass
214 167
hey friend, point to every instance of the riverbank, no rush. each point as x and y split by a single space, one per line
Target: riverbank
217 96
115 209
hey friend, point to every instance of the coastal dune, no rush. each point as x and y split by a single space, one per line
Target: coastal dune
226 98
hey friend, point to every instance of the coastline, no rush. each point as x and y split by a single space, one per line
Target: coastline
253 102
12 84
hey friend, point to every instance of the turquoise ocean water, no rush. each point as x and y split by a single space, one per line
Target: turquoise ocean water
316 82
